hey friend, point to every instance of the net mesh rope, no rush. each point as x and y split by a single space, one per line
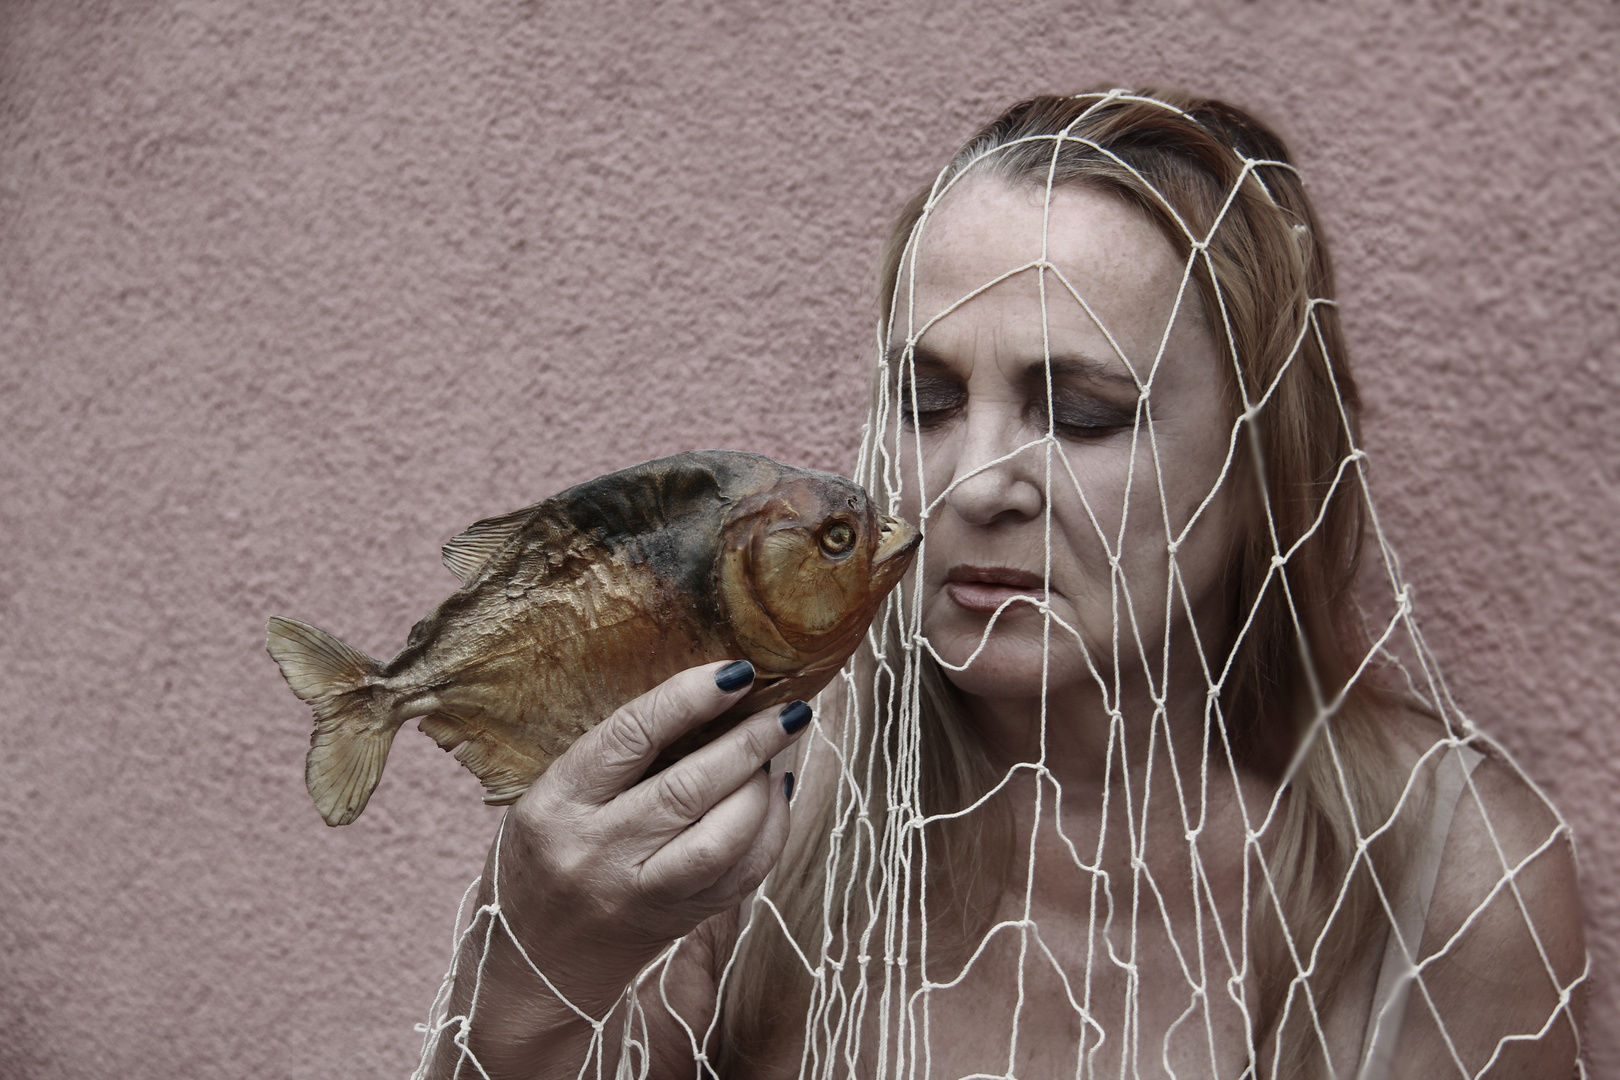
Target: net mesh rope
872 976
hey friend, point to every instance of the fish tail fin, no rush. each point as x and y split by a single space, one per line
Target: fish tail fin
354 721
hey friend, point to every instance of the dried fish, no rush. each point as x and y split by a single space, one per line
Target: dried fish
574 606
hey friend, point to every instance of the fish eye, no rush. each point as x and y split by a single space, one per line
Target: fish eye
837 538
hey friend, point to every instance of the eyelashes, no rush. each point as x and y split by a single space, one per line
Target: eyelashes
934 402
1082 415
1075 413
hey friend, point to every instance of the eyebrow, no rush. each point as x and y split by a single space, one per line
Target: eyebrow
1062 365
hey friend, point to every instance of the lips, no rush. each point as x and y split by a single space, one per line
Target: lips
985 588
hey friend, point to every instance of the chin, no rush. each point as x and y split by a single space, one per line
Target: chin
1012 663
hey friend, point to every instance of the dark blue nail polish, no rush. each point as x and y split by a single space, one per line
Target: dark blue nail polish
787 786
794 717
734 676
767 766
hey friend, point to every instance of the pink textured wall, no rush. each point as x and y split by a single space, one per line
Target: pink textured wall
291 292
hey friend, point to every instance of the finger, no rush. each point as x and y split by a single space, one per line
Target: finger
746 874
667 803
615 753
707 850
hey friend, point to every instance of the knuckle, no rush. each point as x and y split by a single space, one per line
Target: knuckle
640 729
569 864
753 872
750 878
760 739
629 735
708 858
538 809
679 701
648 892
680 794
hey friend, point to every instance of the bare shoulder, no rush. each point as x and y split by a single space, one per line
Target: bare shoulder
1503 957
1509 860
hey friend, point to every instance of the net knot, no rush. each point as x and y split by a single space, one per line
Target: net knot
1279 561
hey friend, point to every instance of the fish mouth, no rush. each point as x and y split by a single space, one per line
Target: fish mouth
896 539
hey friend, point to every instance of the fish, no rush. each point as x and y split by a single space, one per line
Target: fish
578 604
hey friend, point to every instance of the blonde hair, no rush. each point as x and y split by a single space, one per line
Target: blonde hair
1187 164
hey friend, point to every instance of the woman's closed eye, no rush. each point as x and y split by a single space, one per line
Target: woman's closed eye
930 400
1080 414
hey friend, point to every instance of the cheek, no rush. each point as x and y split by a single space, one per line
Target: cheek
1095 485
911 483
803 593
925 465
1192 475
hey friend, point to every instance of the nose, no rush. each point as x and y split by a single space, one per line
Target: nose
999 476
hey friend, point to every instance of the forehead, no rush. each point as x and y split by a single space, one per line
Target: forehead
1103 253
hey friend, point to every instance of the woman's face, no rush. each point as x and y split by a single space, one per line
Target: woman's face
975 431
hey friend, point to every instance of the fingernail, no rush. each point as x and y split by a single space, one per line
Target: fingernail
734 676
787 786
767 766
794 717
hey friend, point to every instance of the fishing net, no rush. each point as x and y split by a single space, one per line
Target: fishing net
1174 941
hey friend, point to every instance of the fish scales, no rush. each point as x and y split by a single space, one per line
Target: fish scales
574 606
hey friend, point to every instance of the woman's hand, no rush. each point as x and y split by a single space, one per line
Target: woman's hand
597 871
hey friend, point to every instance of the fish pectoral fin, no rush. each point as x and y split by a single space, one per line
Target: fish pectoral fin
505 771
465 554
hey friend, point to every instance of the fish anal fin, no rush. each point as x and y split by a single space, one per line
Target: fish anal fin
465 554
447 731
505 772
505 792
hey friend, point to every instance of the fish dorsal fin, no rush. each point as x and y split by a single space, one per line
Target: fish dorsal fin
465 554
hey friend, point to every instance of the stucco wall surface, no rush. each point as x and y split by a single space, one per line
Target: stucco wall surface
290 293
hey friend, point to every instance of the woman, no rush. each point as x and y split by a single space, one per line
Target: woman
1126 783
